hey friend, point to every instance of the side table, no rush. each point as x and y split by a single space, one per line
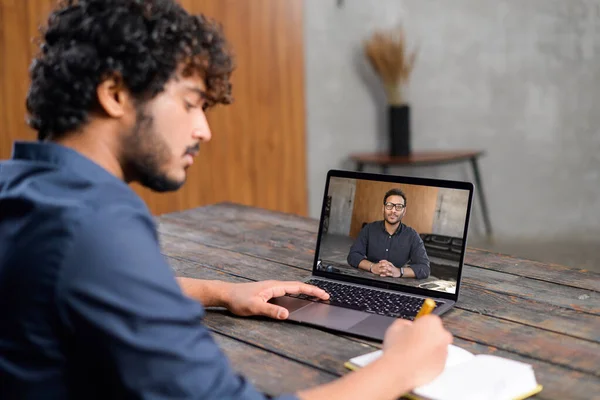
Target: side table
426 158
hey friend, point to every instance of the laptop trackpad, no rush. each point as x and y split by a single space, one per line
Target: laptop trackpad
329 316
291 303
374 326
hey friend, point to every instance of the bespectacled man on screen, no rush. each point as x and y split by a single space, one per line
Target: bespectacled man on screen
389 247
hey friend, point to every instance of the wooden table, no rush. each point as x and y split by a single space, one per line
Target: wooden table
546 315
426 158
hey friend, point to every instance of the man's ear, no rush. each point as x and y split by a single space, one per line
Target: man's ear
113 97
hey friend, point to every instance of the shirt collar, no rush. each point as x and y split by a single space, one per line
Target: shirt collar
398 229
60 156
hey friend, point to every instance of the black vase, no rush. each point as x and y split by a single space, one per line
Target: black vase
399 130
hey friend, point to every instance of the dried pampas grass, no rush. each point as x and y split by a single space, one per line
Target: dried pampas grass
388 55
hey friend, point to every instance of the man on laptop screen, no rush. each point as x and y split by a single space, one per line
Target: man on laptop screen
417 243
375 270
389 247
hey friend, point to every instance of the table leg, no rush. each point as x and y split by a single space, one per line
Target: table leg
484 208
360 167
384 169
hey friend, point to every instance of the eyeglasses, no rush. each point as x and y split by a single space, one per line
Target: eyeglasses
389 206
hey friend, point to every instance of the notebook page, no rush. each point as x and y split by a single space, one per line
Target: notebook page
456 355
365 359
481 377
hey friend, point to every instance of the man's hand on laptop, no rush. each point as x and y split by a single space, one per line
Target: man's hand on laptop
245 299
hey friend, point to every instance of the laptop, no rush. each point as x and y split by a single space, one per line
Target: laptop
419 229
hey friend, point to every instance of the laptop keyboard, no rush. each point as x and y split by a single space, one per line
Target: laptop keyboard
369 300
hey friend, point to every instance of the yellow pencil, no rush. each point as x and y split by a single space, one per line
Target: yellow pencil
426 308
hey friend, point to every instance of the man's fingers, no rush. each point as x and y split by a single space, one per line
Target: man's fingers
313 291
283 288
386 272
400 324
271 310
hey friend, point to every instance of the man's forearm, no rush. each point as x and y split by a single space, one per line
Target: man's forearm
420 271
365 265
381 379
419 259
355 258
209 293
408 272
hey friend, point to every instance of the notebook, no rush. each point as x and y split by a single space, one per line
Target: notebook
470 377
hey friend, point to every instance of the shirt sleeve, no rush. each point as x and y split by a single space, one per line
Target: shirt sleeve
419 261
358 251
129 326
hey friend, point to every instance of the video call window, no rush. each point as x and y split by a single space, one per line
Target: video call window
423 234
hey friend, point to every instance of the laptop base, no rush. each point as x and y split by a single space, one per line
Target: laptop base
341 319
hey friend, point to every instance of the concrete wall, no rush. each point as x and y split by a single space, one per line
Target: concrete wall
451 212
342 192
519 79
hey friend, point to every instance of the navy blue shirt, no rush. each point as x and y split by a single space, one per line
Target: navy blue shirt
374 243
89 306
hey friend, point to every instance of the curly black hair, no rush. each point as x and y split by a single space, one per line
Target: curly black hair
139 42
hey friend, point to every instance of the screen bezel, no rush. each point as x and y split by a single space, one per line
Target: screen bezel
462 185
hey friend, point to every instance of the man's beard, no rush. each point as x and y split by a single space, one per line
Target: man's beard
398 219
145 152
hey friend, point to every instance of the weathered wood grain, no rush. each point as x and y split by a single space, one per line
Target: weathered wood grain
269 372
230 261
560 274
324 350
226 213
474 297
313 346
551 293
529 312
277 243
236 213
570 352
280 245
545 315
258 239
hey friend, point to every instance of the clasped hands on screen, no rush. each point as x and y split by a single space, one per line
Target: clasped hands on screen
385 268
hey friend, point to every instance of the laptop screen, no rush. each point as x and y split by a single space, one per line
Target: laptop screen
409 232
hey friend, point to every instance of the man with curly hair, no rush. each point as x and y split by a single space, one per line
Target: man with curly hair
89 306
